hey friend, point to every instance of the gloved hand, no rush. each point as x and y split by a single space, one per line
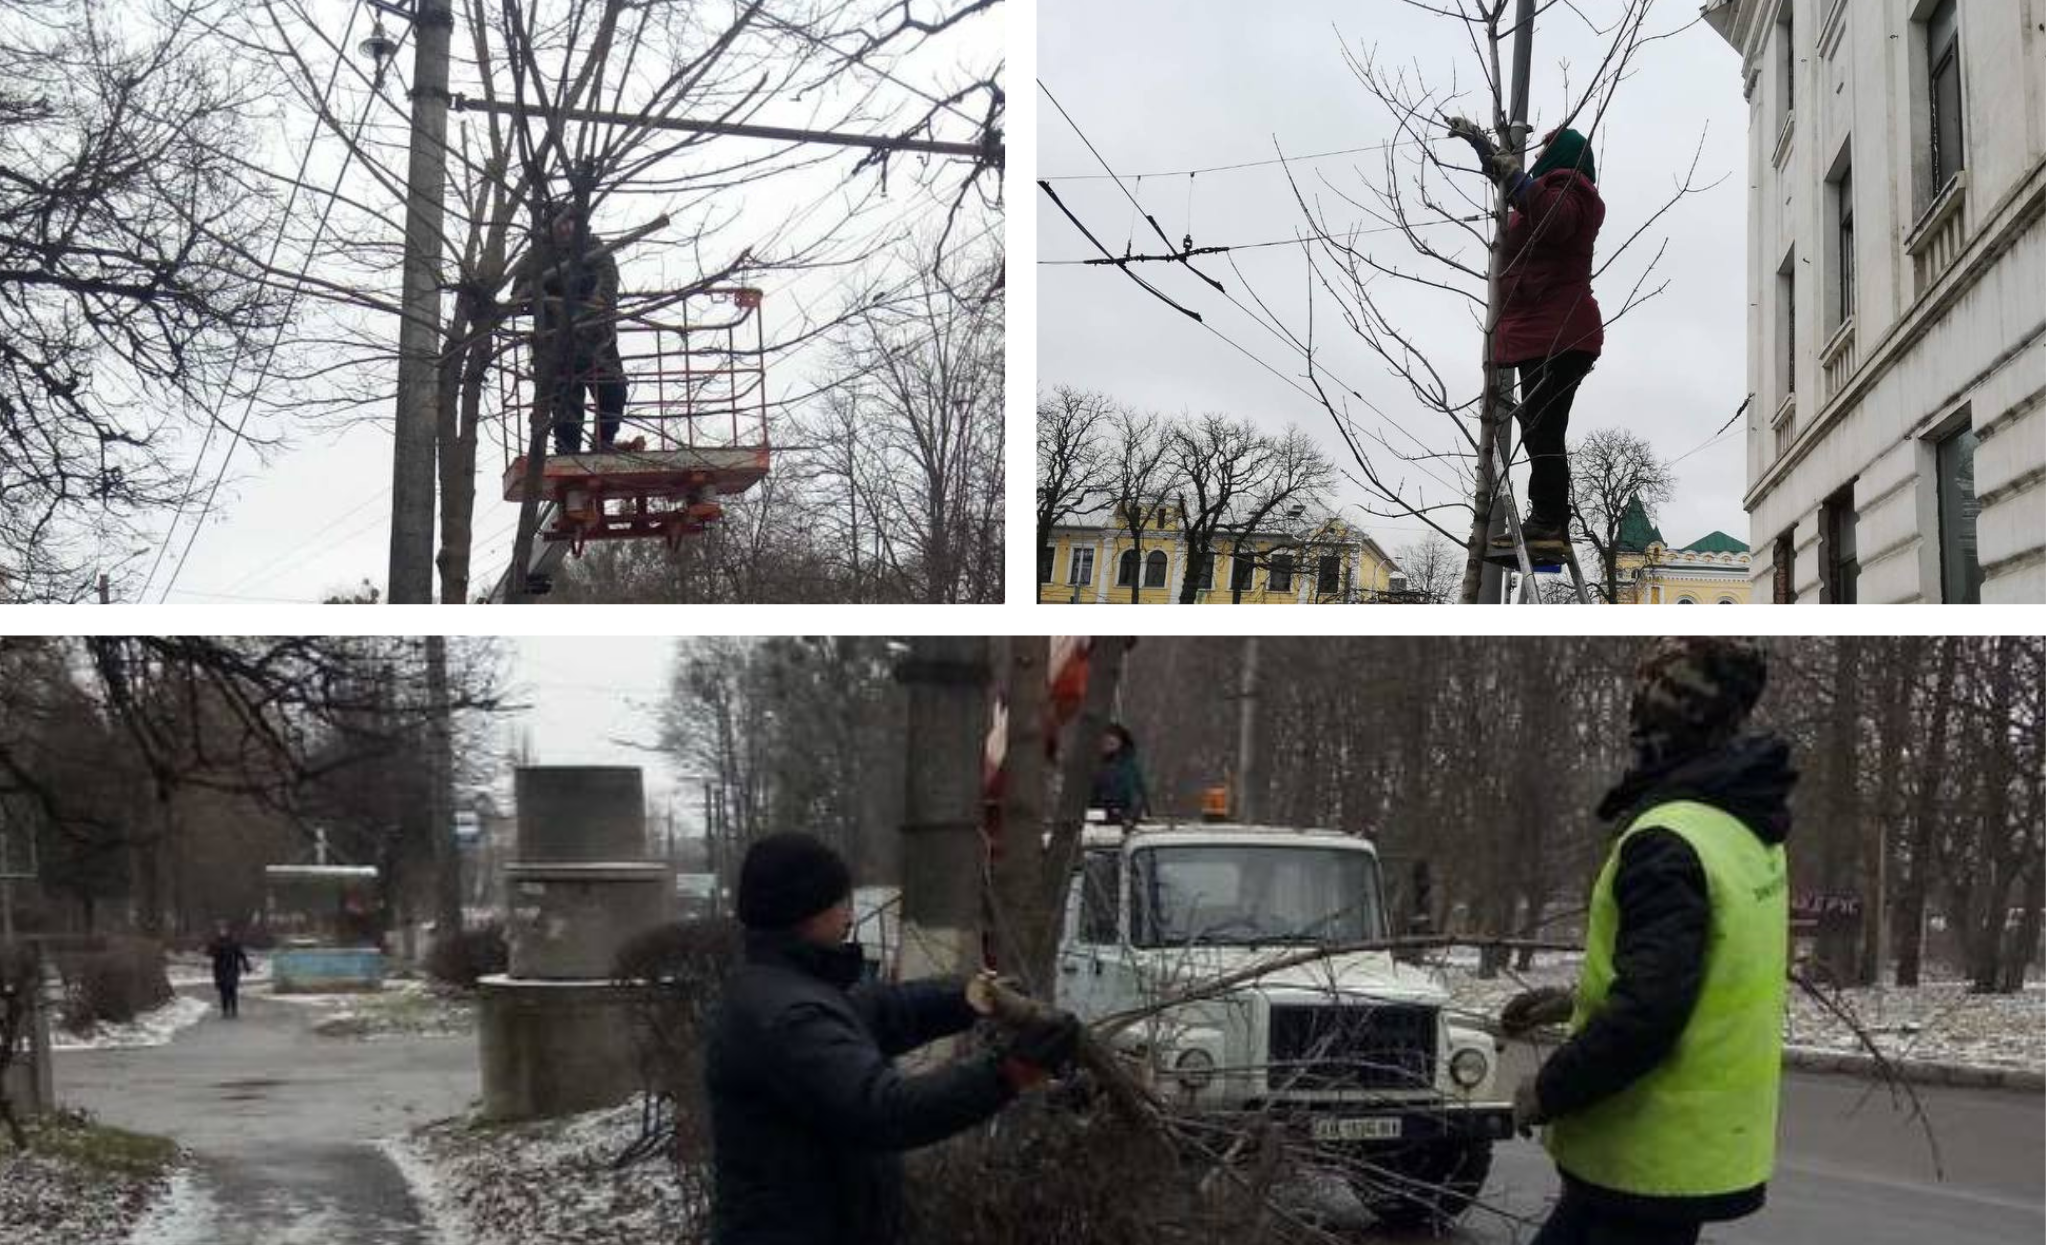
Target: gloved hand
1545 1005
981 992
1527 1107
1469 131
1505 166
1041 1049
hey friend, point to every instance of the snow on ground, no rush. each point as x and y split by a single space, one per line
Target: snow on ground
154 1028
543 1181
79 1183
1936 1021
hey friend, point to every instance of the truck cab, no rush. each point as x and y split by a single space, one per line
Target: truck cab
1349 1049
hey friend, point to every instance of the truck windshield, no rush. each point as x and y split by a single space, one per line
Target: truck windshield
1253 893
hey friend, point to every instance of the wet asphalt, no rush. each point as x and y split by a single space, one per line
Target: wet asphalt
282 1123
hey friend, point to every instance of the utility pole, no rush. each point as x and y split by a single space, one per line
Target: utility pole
1494 424
943 850
1247 734
106 590
416 429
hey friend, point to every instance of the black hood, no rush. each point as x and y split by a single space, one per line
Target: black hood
1750 777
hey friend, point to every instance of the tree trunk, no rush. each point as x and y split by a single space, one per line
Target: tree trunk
1910 927
1879 854
447 856
1026 928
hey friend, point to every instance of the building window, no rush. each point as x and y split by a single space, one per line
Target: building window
1961 576
1329 575
1787 64
1155 569
1240 572
1686 601
1787 298
1841 194
1944 93
1281 578
1126 569
1080 568
1204 571
1783 570
1837 533
1725 601
1045 565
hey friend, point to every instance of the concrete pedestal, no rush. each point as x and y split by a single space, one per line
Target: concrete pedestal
581 813
568 921
553 1048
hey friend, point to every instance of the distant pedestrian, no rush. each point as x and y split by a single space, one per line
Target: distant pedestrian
230 961
1118 789
809 1115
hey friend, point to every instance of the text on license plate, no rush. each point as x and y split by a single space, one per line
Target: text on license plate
1356 1129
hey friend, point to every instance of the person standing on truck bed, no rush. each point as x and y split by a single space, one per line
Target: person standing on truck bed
809 1116
1662 1106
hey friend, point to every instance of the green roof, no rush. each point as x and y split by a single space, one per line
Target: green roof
1637 533
1718 543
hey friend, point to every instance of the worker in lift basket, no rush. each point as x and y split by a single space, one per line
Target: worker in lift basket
1662 1107
809 1116
584 296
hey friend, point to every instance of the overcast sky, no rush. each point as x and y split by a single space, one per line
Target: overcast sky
590 700
310 515
1160 87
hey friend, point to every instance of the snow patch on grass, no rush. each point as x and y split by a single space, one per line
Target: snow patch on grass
154 1028
543 1181
1936 1021
80 1182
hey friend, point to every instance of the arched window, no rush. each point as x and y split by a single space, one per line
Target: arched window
1686 601
1725 601
1155 569
1126 569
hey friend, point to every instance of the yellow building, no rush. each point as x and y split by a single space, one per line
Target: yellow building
1712 570
1336 563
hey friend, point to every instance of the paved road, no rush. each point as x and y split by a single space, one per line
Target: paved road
281 1122
1854 1168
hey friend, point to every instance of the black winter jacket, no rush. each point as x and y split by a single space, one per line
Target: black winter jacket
1660 948
808 1114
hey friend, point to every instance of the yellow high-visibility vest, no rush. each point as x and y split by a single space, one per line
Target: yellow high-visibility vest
1704 1121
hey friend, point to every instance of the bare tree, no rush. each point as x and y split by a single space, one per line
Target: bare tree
1433 566
129 301
1074 469
1139 450
1231 482
1613 469
1438 211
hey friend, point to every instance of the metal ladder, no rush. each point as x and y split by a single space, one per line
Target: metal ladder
1505 493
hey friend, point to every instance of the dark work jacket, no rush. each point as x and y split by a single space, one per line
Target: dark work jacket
229 960
1660 948
808 1114
1119 788
1548 306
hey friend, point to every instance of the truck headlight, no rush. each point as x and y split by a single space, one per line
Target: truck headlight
1469 1067
1194 1068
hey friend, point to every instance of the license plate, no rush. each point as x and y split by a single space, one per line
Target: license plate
1355 1129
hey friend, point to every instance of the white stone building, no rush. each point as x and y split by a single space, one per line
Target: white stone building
1897 297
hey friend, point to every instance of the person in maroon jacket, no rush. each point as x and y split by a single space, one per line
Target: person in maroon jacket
1549 328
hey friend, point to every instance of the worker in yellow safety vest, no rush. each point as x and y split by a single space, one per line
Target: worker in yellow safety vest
1661 1108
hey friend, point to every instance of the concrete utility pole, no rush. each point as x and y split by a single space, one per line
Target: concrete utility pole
1493 578
411 578
1247 734
943 852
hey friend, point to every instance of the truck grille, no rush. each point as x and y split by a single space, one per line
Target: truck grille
1352 1047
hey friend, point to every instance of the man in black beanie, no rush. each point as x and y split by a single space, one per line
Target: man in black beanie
808 1113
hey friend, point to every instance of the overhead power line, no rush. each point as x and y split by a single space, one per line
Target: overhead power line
1242 164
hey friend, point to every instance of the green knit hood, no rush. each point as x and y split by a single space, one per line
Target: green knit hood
1566 149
